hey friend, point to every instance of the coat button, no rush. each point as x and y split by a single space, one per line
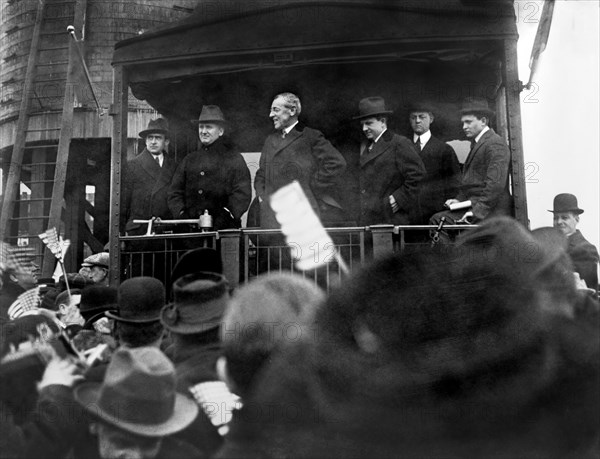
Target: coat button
200 191
202 173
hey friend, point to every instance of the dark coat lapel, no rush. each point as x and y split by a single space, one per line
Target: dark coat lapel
380 147
293 135
478 146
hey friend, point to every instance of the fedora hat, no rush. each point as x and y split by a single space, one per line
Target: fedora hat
157 126
476 105
140 301
97 298
210 114
371 106
203 259
198 305
138 394
420 106
566 202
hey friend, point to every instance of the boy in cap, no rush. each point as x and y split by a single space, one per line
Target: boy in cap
214 179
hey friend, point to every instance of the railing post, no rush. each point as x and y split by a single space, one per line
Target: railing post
383 240
230 255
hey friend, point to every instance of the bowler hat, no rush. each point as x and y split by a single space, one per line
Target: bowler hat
566 202
210 114
199 303
98 259
476 105
157 126
97 298
140 301
138 394
371 106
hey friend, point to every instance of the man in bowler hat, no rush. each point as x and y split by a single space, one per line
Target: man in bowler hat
583 253
484 179
390 169
214 179
147 178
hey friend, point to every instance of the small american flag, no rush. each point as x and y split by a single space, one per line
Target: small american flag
50 238
26 303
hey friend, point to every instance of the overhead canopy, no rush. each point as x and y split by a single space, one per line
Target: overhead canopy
238 54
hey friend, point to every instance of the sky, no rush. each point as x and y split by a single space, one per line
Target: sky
561 114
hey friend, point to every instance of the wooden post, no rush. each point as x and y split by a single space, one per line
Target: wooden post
230 255
513 110
119 112
383 240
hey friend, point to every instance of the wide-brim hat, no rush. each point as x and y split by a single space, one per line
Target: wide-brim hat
476 105
210 114
371 106
565 202
157 126
139 395
199 303
140 301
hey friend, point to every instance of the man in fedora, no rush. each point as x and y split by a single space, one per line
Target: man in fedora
390 169
214 179
441 163
136 409
484 180
147 178
296 152
583 253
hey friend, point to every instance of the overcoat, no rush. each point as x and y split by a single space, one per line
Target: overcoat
303 155
584 256
485 177
216 179
442 179
145 188
392 167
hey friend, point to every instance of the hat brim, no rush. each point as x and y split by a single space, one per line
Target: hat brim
575 211
196 122
145 132
369 115
143 320
185 411
189 329
485 111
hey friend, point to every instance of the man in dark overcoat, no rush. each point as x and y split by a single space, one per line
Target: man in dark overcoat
214 179
390 169
441 163
583 253
147 178
484 179
296 152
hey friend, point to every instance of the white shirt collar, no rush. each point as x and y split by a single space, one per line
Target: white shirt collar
423 138
379 136
161 158
485 129
289 128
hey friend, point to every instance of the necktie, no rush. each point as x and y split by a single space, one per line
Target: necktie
371 145
157 159
418 142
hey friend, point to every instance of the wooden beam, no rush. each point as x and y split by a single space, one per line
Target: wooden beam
118 159
14 172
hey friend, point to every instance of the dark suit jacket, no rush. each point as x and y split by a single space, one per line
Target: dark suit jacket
392 167
306 156
485 177
145 188
442 179
584 256
212 179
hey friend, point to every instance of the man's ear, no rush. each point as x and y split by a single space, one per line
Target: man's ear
62 308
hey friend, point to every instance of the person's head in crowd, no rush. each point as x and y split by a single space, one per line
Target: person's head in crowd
136 321
285 110
67 307
211 125
17 268
203 259
27 329
136 406
455 352
420 116
262 316
95 300
373 117
196 312
97 265
156 136
475 116
566 213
